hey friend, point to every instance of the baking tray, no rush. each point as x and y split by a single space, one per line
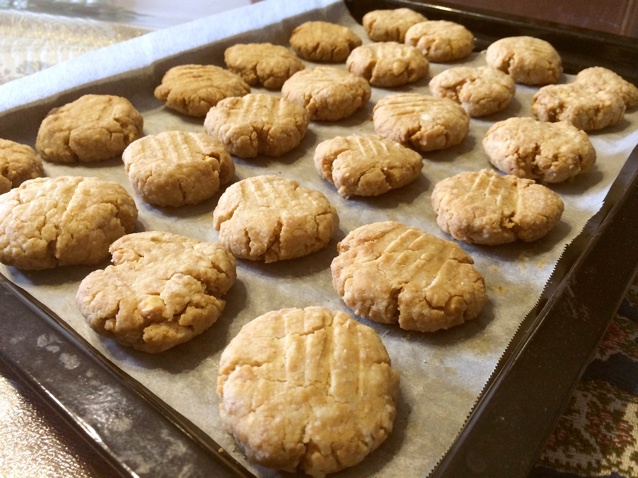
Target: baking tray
519 403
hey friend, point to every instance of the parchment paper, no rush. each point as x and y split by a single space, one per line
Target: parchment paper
443 373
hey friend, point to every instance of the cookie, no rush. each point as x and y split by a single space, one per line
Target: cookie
176 168
161 291
388 64
441 41
528 60
63 221
366 165
390 24
194 89
257 125
18 163
262 64
327 93
421 122
532 149
392 273
307 390
90 129
483 207
604 79
480 90
270 218
323 42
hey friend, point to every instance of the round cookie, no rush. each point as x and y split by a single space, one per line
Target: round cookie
366 165
601 78
421 122
307 390
532 149
270 218
483 207
194 89
480 90
262 63
528 60
18 163
257 124
162 290
62 221
177 168
327 93
392 273
324 42
90 129
390 24
441 41
388 64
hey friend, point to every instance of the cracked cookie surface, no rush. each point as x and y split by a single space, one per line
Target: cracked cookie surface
601 78
18 163
321 41
441 41
390 24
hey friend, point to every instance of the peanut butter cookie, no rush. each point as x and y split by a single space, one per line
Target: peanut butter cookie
390 24
441 41
604 79
323 42
18 163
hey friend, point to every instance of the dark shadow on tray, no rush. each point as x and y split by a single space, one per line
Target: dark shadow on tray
513 109
450 154
396 198
57 276
578 184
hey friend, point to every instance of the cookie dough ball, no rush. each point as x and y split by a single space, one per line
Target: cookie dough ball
480 90
90 129
161 291
257 124
421 122
262 64
63 221
388 64
328 94
528 60
483 207
532 149
323 42
18 163
391 24
176 168
307 390
194 89
366 165
270 218
441 41
392 273
604 79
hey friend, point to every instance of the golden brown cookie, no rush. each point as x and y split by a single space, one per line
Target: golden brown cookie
392 273
307 390
176 168
421 122
262 63
604 79
194 89
63 221
257 125
532 149
366 165
324 42
270 218
18 162
390 24
441 41
161 291
483 207
90 129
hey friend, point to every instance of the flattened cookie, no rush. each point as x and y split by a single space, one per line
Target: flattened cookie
532 149
270 218
388 64
323 41
528 60
194 89
162 290
257 124
18 163
90 129
421 122
262 63
483 207
441 41
480 90
604 79
391 24
327 93
308 390
392 273
176 168
62 221
366 165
